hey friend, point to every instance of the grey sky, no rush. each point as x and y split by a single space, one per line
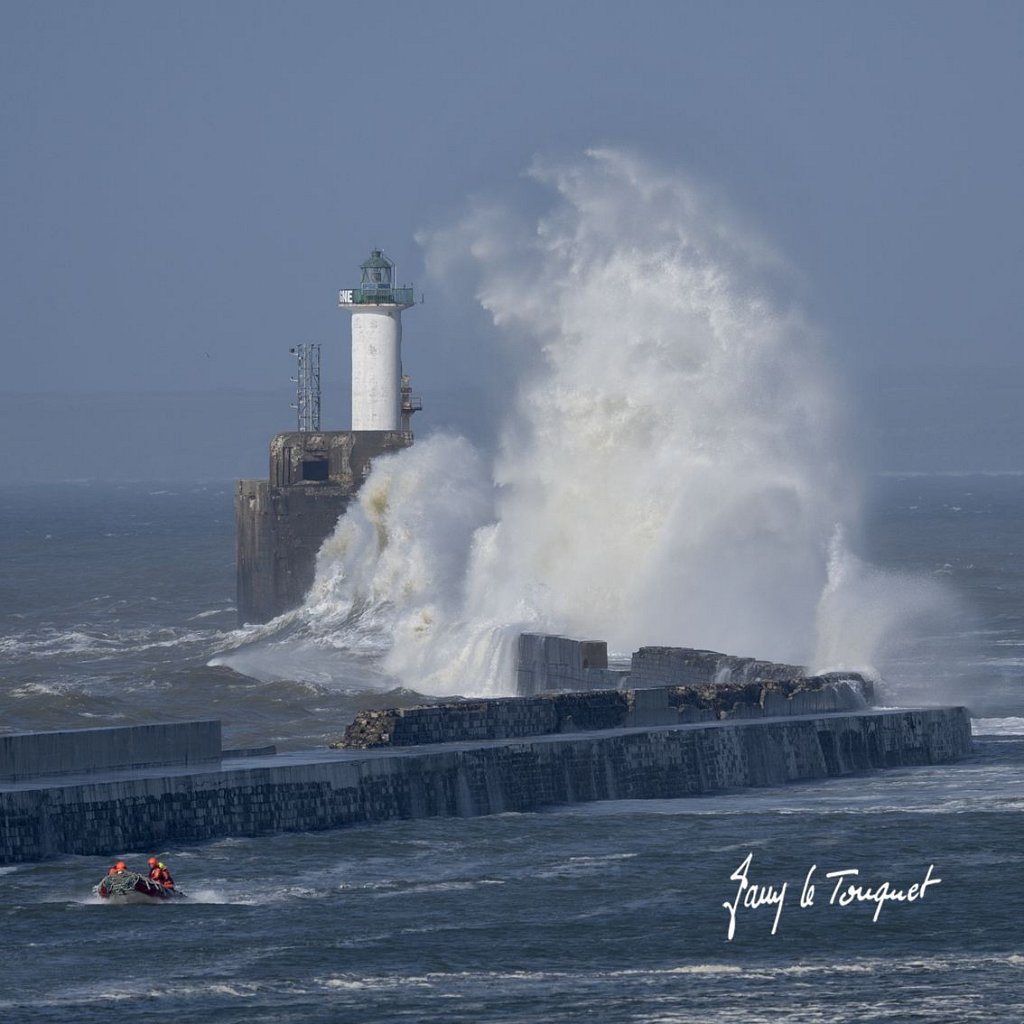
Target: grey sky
184 187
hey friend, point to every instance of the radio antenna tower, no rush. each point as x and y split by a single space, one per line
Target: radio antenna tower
307 387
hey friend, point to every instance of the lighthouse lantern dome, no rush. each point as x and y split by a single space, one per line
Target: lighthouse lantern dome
377 272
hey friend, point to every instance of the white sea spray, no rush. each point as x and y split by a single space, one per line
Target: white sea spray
672 470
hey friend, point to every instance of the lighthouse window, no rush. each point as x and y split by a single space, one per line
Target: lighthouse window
314 469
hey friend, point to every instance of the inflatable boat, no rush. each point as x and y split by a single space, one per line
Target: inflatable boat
131 887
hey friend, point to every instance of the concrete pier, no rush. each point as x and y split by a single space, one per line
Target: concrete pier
117 811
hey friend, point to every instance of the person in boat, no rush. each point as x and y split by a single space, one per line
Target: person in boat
117 868
159 873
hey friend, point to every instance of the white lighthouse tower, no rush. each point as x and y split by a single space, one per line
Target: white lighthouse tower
378 395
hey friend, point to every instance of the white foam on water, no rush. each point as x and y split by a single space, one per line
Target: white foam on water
209 895
212 612
101 644
997 726
707 969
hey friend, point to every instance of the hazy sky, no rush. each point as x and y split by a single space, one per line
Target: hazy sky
185 186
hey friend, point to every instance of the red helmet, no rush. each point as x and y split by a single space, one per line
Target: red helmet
152 862
120 866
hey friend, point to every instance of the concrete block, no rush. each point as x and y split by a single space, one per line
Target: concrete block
31 755
549 662
650 707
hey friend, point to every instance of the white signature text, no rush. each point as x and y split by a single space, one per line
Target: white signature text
844 890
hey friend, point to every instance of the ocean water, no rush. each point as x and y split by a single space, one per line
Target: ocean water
113 602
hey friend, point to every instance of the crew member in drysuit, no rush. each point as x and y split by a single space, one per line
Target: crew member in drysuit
159 873
117 868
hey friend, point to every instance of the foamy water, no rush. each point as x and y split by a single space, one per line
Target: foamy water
1013 726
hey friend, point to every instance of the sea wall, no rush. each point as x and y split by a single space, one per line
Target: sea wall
508 717
28 755
143 811
547 662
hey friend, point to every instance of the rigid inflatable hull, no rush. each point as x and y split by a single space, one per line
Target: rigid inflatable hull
132 888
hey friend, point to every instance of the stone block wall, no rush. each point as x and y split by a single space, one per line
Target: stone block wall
508 717
808 695
493 719
512 775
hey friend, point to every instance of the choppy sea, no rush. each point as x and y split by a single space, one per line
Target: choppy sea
113 599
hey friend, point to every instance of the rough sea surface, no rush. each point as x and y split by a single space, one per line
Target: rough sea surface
114 599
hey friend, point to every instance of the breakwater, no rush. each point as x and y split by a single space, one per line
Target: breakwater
545 662
509 717
145 808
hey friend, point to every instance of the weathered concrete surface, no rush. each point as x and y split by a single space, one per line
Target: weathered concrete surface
677 666
490 719
28 755
833 691
143 810
506 717
278 532
281 522
546 661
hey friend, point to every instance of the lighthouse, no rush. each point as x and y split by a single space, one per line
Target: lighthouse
281 522
377 379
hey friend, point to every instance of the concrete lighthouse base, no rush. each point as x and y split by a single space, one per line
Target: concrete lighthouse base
281 522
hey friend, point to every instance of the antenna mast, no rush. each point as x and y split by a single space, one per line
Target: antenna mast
307 387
